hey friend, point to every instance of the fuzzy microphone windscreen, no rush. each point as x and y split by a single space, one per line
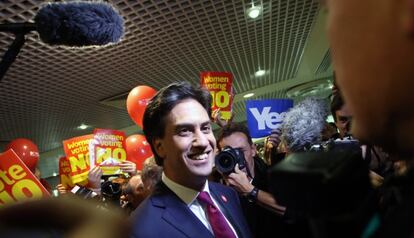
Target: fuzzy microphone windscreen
79 24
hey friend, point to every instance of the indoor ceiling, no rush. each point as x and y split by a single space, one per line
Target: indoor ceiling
49 91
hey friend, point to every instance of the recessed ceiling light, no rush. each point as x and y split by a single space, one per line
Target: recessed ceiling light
254 11
260 73
54 174
83 127
248 95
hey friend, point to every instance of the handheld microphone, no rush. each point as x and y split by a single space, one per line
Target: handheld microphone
73 24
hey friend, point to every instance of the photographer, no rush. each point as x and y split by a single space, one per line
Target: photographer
261 209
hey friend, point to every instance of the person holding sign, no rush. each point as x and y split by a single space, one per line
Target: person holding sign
185 204
17 182
220 86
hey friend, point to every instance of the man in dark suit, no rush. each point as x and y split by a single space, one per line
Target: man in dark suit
185 204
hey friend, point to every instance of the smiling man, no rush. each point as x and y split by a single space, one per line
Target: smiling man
184 204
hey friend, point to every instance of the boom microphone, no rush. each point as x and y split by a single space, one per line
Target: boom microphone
74 24
79 24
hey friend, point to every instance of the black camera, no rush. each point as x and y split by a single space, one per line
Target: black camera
111 191
227 159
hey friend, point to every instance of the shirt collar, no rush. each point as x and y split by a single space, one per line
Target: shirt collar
188 195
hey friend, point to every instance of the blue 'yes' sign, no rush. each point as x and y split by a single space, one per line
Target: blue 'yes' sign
266 115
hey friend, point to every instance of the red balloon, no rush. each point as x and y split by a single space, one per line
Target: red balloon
26 150
138 149
137 101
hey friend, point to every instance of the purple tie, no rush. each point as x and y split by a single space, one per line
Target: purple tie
221 228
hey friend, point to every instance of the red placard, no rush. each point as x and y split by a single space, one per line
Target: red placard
64 172
17 182
220 86
77 152
109 150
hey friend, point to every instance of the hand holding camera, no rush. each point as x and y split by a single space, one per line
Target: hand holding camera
239 181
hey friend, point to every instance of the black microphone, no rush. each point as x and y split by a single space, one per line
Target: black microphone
73 24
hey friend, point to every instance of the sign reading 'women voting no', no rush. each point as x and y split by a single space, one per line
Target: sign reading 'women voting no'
265 115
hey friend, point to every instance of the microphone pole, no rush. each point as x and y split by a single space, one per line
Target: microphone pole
19 30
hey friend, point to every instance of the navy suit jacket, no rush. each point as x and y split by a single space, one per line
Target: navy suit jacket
164 214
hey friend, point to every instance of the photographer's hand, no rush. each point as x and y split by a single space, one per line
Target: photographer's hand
239 180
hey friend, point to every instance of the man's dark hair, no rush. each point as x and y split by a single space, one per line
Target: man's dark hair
336 104
163 102
231 128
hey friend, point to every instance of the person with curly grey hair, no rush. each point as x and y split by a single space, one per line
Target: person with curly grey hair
303 124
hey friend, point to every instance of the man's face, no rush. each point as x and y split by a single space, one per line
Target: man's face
373 60
137 191
343 121
188 145
239 140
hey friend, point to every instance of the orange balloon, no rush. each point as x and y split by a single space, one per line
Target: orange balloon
138 149
26 150
137 101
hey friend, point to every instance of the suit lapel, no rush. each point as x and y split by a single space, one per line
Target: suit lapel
178 215
226 207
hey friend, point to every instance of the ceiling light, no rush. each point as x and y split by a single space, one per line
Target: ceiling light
248 95
260 73
83 127
254 11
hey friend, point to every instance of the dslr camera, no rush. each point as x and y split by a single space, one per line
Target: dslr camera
111 191
227 159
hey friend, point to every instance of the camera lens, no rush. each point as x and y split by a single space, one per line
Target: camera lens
111 190
225 162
